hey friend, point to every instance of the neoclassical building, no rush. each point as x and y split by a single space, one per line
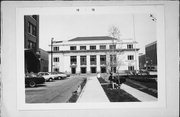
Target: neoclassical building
94 54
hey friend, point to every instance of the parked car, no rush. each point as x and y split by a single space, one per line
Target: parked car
47 76
32 81
68 74
60 75
143 72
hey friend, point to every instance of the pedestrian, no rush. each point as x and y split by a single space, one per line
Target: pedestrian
98 75
118 83
111 79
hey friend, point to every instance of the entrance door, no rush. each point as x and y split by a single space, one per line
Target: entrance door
73 70
93 69
83 70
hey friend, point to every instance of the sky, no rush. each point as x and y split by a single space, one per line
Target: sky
66 27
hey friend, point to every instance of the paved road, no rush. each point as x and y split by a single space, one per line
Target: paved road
58 91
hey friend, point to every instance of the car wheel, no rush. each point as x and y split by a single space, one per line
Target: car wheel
32 84
50 79
59 78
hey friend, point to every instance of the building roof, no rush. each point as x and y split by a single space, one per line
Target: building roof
92 38
150 44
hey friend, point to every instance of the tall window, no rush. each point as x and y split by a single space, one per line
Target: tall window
32 29
130 46
103 69
82 47
113 59
56 48
56 59
83 60
93 59
34 16
130 57
31 45
93 69
72 47
83 70
73 60
113 69
130 68
92 47
103 59
102 47
73 70
112 46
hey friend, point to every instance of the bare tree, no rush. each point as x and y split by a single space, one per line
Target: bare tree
114 61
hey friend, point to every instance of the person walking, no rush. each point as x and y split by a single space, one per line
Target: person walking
111 79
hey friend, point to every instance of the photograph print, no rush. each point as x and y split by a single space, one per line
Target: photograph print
90 58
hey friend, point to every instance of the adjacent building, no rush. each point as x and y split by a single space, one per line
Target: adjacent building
94 54
142 61
149 59
43 60
151 55
31 43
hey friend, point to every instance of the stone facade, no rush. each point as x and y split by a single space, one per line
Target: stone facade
94 54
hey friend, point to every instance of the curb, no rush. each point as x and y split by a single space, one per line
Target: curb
82 91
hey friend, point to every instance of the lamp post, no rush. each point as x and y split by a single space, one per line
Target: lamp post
52 54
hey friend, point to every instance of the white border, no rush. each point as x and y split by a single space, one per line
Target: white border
158 9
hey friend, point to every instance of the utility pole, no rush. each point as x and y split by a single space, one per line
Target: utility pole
52 54
135 42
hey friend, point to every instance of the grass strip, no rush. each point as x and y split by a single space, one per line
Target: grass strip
75 94
149 88
117 95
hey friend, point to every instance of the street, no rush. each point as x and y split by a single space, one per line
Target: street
58 91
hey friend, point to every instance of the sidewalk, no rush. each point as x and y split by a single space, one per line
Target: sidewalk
138 94
92 92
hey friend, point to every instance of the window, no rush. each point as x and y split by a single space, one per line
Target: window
83 70
29 27
56 59
113 69
73 60
130 57
131 68
130 46
82 47
73 70
102 47
83 60
72 47
93 59
56 48
31 45
93 69
34 16
92 47
103 59
103 69
112 46
113 58
32 29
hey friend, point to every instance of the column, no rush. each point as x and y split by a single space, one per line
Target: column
98 63
78 65
88 64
